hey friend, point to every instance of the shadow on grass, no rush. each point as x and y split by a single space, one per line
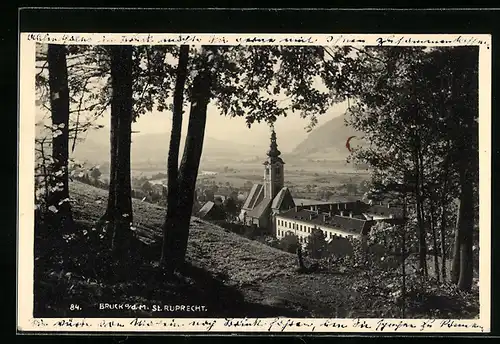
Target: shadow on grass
228 301
82 280
445 305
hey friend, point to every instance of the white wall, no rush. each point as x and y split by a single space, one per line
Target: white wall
377 217
303 229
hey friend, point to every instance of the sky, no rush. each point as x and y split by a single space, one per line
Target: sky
290 130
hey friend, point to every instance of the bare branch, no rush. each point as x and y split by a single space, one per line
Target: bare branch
42 69
369 55
78 113
149 73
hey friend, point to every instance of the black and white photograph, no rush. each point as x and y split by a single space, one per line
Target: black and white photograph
256 182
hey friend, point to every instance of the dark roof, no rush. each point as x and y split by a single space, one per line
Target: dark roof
260 209
283 194
385 210
307 202
205 209
335 207
254 196
210 210
345 223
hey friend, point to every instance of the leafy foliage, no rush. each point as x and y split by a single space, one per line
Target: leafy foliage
95 173
316 243
289 243
230 206
417 108
251 80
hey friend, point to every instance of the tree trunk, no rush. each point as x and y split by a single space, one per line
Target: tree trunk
113 134
59 103
403 258
422 247
455 265
173 156
434 240
300 259
442 239
443 217
190 162
462 265
121 112
466 145
422 208
45 173
465 227
112 166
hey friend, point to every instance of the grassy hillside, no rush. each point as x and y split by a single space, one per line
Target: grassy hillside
231 275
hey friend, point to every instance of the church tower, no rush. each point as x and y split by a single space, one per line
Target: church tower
274 178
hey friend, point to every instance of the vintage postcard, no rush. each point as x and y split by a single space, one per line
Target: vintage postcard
277 183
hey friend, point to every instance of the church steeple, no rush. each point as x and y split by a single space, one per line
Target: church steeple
273 153
273 170
273 149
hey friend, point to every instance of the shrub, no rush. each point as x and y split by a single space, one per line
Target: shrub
289 243
316 244
250 232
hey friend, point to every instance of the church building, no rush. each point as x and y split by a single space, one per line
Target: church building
271 207
266 200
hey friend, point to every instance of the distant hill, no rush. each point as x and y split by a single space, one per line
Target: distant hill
153 148
327 141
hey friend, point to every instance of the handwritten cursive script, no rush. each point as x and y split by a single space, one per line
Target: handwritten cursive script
260 39
260 324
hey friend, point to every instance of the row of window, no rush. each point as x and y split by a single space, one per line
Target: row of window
293 225
328 235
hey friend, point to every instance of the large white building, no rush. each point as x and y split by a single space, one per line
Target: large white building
301 222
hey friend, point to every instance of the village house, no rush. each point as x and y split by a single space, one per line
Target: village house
212 212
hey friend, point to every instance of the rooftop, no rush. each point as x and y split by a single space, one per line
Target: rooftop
346 223
281 196
255 196
306 202
260 209
205 209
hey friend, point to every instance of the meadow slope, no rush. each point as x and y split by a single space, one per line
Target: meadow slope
263 276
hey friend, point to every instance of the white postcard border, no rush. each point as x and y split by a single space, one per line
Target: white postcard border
25 232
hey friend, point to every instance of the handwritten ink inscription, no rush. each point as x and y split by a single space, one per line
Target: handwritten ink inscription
408 40
340 39
266 324
47 37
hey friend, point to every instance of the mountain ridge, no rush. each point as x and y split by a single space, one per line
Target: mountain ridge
154 147
327 141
